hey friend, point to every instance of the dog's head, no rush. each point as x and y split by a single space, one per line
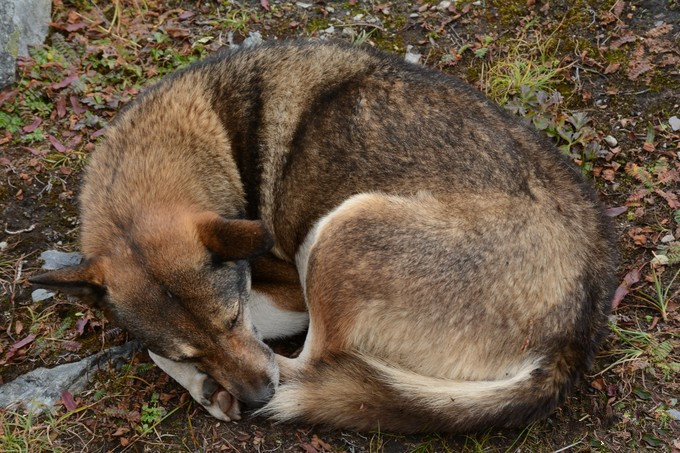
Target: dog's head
181 286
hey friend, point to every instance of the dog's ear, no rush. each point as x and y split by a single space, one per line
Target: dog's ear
233 239
83 280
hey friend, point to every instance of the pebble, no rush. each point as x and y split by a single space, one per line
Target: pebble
304 5
444 5
674 413
611 141
667 238
41 294
412 57
254 38
3 245
674 121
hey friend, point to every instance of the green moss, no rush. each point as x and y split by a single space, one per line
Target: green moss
317 24
396 21
663 81
510 11
616 56
389 42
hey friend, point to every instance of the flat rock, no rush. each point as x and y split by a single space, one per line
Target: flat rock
55 259
41 388
23 23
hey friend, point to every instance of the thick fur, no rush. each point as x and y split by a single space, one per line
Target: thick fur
456 268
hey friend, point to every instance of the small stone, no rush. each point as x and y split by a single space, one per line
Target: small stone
329 31
41 294
611 141
412 57
667 238
674 121
414 15
254 38
3 245
674 413
444 5
358 17
56 260
304 5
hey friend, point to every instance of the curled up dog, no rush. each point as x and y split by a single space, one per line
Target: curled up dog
453 270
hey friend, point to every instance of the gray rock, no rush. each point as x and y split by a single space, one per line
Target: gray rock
56 260
41 294
674 413
23 23
674 121
254 38
41 388
412 57
611 141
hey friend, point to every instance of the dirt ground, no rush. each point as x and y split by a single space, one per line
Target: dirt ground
601 77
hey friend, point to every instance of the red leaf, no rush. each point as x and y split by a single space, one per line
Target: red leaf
68 401
98 133
80 325
78 108
76 26
613 212
35 152
7 96
21 343
629 280
61 106
612 68
72 346
186 15
56 143
18 345
33 126
265 4
65 82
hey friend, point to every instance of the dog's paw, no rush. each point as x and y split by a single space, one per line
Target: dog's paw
217 401
203 389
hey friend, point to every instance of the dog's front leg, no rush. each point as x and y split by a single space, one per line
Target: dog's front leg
202 388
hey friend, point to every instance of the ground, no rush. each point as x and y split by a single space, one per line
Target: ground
600 77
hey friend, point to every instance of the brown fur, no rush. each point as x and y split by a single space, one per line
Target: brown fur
468 287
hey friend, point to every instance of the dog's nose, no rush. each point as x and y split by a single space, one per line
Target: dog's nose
257 399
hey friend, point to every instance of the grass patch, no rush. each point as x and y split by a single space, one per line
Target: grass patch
531 62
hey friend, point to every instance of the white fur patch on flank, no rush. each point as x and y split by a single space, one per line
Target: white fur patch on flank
305 250
270 321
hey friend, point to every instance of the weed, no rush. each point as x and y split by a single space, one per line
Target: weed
152 414
660 299
358 39
10 122
22 433
532 64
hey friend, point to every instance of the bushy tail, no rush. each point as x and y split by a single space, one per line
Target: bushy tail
358 392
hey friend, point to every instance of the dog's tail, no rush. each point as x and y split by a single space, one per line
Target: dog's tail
362 393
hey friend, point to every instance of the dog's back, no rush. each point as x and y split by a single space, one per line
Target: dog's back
471 260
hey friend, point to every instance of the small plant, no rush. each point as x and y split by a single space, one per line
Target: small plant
152 415
571 131
660 299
